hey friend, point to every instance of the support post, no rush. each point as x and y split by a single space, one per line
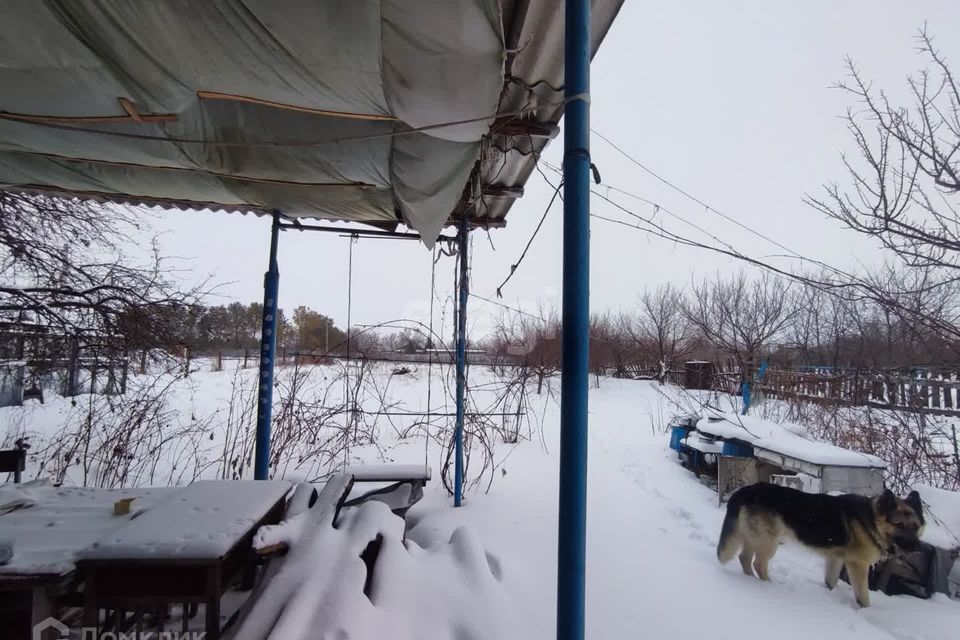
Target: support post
571 530
464 290
268 347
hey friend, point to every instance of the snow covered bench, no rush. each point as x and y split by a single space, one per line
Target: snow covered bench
403 488
403 484
186 550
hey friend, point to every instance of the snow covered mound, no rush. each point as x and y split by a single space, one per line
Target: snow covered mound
362 580
943 516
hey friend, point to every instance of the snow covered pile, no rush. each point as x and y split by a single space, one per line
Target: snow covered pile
942 517
364 581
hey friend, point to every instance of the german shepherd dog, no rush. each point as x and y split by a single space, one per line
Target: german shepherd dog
850 530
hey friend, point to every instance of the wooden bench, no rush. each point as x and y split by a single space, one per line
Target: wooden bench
185 550
403 484
13 461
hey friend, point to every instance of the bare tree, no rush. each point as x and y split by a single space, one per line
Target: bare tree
908 162
62 265
826 329
660 329
740 316
904 181
534 340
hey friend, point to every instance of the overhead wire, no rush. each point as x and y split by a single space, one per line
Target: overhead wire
730 249
688 195
523 254
657 229
711 209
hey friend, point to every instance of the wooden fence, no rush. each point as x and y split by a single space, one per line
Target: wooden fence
921 389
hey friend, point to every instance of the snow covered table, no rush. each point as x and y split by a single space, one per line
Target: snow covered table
44 528
185 550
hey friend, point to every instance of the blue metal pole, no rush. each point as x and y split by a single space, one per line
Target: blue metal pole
747 389
268 347
461 365
571 561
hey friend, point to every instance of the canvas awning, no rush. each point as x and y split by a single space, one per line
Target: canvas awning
316 109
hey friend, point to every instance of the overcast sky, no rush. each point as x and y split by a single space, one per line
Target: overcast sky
731 101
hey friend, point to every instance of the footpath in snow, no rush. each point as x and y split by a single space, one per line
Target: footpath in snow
652 532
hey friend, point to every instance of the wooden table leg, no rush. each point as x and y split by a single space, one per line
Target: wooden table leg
41 608
91 614
213 604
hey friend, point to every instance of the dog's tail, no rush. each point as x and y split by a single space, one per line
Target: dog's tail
730 541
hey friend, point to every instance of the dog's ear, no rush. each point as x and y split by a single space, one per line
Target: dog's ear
887 501
914 502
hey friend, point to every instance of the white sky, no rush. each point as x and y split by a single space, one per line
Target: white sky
731 101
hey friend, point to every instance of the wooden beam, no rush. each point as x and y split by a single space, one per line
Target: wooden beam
216 95
131 109
131 115
477 223
511 126
502 191
136 116
200 170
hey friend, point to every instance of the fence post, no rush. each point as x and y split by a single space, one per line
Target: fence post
111 388
17 378
956 450
71 383
93 374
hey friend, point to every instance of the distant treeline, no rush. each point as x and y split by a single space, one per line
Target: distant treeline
236 326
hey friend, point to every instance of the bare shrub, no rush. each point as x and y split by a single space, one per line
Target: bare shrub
132 440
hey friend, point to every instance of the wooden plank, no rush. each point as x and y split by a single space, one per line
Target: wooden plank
216 95
389 472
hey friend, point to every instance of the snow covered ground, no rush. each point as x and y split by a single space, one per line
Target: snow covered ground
652 532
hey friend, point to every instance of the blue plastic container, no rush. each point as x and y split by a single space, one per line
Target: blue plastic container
737 449
677 434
